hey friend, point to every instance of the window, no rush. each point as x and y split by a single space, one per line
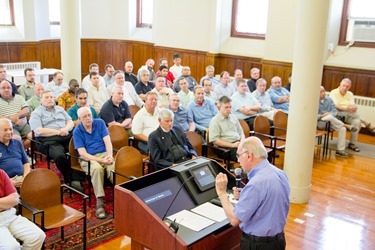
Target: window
144 13
54 17
249 18
7 12
358 23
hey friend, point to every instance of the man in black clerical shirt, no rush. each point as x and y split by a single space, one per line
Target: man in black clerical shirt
168 145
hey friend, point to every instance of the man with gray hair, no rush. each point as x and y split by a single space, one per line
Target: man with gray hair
210 75
182 118
263 204
91 139
168 145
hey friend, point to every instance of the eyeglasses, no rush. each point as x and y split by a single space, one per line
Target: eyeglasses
239 155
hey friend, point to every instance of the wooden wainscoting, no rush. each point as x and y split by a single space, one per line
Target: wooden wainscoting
117 52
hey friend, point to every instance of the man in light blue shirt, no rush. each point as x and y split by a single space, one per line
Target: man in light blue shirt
279 95
201 110
224 88
182 118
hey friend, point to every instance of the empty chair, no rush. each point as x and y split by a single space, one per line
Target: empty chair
245 127
128 164
196 141
133 110
119 137
42 202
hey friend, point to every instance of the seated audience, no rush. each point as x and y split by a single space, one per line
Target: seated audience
68 98
108 76
27 90
163 71
345 105
225 130
146 121
17 232
16 109
201 110
34 102
189 79
176 68
86 82
57 86
223 88
52 127
254 76
209 94
81 101
327 113
92 141
3 76
129 76
210 75
144 85
186 96
244 104
13 158
162 91
264 99
130 96
116 111
279 95
97 94
168 145
182 118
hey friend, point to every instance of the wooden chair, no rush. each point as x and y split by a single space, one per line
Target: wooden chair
197 142
245 127
42 195
129 164
280 123
210 153
75 166
133 110
119 137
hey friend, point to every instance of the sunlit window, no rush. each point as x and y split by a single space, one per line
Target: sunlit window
144 13
358 22
54 17
6 13
249 18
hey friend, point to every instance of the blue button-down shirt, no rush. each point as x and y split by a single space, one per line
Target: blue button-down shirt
264 202
182 118
202 115
276 94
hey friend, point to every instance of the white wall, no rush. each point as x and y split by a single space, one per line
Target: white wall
195 25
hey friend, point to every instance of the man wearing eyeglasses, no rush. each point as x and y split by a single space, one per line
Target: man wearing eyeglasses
263 204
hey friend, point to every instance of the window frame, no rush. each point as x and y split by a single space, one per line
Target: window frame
344 29
235 33
12 18
139 19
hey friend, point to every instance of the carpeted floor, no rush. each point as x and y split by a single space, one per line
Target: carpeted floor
367 150
98 231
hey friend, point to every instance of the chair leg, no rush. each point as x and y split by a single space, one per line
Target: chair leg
62 232
84 232
88 177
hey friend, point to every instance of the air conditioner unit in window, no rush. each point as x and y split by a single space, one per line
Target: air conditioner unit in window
363 31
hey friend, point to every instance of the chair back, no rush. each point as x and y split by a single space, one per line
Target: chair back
262 126
41 189
73 152
133 110
119 136
245 127
196 141
280 120
128 161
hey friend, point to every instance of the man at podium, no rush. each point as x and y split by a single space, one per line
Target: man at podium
263 204
168 145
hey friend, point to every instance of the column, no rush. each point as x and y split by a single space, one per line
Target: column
70 43
309 48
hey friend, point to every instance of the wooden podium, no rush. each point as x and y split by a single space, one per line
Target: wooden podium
134 218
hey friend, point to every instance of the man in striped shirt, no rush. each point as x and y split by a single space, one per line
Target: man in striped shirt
15 108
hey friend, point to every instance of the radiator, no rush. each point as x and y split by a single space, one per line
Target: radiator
15 71
366 108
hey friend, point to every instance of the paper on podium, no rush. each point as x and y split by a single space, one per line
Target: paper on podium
210 211
191 220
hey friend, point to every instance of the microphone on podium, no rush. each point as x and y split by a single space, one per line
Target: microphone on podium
174 226
238 172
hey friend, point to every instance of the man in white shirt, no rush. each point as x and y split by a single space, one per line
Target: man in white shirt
86 82
176 69
97 94
162 91
57 86
130 96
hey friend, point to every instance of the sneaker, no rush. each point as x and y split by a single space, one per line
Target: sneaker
341 153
